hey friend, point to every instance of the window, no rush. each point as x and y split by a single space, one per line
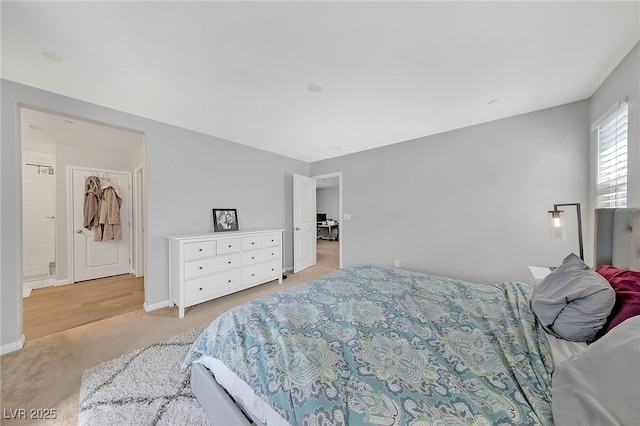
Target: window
611 189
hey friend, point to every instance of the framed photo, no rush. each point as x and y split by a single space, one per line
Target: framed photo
225 220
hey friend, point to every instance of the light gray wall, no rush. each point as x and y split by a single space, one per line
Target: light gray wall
138 156
327 201
623 82
187 174
10 225
471 203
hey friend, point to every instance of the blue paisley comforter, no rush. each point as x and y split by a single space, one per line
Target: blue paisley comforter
376 345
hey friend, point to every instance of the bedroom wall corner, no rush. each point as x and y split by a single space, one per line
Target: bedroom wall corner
471 203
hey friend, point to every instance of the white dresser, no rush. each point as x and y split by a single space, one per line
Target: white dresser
206 266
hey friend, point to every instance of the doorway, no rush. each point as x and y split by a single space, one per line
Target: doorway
329 206
306 191
63 142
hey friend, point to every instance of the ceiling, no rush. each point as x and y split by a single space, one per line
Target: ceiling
41 127
383 72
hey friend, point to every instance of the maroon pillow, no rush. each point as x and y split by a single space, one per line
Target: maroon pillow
626 284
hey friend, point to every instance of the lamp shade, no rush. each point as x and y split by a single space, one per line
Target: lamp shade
556 224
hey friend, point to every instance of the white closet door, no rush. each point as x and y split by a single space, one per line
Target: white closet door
98 259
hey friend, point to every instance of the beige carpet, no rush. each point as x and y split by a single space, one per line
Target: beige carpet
46 373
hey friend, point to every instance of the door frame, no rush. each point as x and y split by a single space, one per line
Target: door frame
340 215
70 224
138 221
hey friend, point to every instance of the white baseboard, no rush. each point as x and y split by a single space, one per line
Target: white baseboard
154 306
49 282
12 347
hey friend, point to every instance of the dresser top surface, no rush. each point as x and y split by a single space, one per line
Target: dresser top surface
223 234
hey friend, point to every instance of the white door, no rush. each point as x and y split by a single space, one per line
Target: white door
97 259
304 222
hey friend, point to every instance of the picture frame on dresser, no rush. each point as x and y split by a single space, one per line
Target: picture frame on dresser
225 220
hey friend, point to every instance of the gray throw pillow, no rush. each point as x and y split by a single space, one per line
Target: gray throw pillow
574 301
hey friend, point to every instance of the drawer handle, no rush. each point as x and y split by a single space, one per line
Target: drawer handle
229 262
229 245
200 267
253 275
252 242
253 257
229 281
199 249
200 288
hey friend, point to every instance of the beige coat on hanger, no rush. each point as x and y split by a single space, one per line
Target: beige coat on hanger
92 197
109 220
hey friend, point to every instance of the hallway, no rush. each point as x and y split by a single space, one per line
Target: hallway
52 309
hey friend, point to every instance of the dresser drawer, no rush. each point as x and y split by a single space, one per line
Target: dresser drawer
198 268
251 257
211 286
211 265
271 240
251 243
261 272
228 245
198 250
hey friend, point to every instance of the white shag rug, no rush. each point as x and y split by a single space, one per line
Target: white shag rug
144 387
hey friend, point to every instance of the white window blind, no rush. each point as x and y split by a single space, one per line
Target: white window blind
611 189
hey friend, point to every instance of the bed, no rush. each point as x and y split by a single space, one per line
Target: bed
377 345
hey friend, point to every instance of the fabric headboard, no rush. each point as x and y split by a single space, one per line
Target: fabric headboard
617 238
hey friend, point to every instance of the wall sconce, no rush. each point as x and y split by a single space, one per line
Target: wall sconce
557 222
